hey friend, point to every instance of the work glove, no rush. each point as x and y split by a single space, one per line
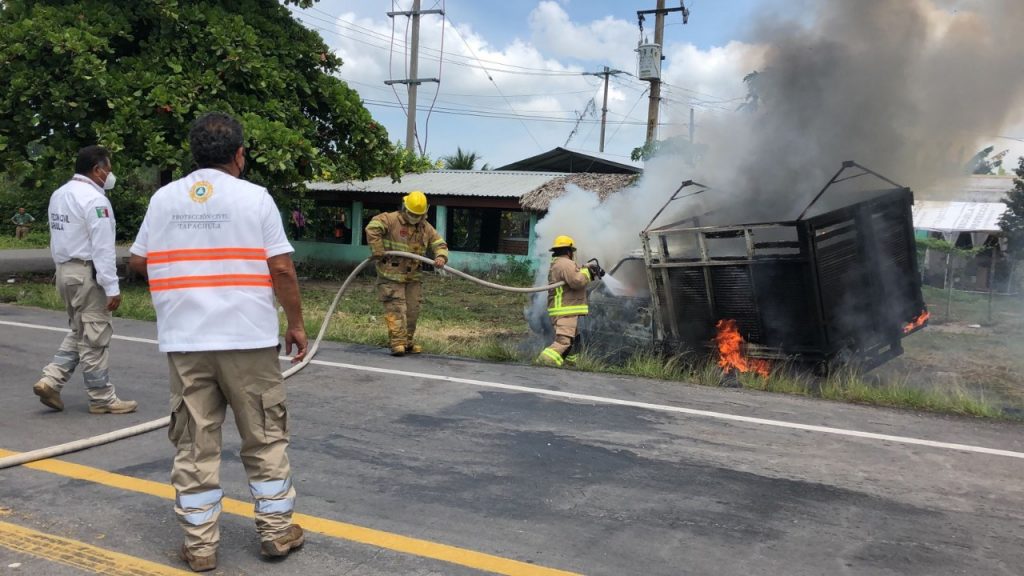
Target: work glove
594 271
377 255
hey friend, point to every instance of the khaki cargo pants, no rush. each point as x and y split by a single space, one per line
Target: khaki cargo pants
20 232
88 342
401 302
203 385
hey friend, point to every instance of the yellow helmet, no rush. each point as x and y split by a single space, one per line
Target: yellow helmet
415 202
563 242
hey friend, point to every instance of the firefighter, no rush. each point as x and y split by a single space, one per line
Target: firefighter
398 279
566 303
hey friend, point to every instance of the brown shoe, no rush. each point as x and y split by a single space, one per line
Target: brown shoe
115 407
198 563
293 539
411 348
398 350
48 395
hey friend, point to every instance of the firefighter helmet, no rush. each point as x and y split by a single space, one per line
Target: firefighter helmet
563 242
415 202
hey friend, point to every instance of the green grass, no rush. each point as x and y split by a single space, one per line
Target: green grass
35 239
462 319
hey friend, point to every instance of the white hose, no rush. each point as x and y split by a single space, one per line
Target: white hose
114 436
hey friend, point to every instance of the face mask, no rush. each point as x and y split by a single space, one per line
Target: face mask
414 218
111 180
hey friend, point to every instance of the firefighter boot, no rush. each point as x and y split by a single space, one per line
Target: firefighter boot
397 335
116 406
411 347
549 357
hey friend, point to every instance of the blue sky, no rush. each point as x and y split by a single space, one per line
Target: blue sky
534 52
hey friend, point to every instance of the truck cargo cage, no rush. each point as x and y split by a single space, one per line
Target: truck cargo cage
835 283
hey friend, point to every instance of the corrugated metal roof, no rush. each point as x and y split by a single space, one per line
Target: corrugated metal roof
968 189
942 216
481 183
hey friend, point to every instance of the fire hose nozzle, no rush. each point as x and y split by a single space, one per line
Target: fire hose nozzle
595 267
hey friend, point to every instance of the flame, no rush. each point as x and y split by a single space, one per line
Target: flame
917 322
730 355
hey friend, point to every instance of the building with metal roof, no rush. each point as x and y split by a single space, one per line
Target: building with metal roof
487 216
575 161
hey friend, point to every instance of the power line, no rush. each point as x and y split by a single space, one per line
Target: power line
440 62
491 78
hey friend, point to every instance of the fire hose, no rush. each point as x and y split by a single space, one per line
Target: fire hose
121 434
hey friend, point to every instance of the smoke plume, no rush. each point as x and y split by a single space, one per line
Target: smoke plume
906 87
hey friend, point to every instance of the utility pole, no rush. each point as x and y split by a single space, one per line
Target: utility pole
413 81
604 107
654 102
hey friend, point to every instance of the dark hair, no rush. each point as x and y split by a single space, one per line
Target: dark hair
563 251
215 137
91 157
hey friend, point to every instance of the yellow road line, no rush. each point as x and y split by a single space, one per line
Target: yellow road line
79 554
332 528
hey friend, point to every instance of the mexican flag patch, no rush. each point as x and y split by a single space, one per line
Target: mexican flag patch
102 213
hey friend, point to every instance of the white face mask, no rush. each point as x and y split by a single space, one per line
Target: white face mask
111 180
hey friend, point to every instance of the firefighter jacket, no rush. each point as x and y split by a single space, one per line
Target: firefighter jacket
571 299
391 231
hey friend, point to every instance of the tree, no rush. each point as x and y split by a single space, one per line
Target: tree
461 160
1012 221
133 75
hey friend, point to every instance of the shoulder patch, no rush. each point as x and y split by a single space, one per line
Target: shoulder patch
102 213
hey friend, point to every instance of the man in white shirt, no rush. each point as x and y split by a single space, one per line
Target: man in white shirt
82 245
214 249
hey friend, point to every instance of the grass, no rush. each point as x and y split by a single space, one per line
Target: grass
35 239
462 319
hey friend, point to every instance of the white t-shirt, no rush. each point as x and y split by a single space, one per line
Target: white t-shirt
82 227
207 238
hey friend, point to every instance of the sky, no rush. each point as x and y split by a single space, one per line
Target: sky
512 72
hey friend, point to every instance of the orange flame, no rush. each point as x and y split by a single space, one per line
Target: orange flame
917 323
730 354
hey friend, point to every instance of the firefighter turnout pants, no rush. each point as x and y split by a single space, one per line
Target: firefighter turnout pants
203 385
88 342
564 346
401 302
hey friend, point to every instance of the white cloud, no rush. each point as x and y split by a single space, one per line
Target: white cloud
538 76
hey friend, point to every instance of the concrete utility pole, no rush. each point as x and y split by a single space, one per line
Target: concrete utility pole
412 82
654 102
604 107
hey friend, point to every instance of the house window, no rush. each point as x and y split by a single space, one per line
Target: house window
488 230
330 222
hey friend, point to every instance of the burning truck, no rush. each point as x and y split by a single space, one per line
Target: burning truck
838 283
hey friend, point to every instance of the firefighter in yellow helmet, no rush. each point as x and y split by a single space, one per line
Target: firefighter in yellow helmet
566 303
398 279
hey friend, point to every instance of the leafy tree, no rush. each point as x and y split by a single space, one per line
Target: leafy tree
1012 221
461 160
753 100
132 76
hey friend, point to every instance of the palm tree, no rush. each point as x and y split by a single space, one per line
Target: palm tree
461 160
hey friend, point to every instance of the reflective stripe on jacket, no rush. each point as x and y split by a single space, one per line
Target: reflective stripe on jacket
571 299
391 231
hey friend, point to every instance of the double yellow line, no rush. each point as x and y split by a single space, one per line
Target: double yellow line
332 528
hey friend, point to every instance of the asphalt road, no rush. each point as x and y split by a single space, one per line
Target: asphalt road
483 459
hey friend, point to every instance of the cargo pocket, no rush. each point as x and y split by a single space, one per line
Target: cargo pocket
96 329
275 414
179 431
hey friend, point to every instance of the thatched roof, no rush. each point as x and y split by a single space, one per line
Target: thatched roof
539 199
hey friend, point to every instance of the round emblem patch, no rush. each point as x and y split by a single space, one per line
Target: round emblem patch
201 191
